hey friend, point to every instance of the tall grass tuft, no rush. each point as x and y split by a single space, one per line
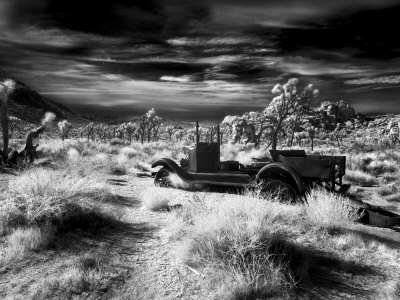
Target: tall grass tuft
361 178
88 273
247 244
20 242
43 197
326 209
156 199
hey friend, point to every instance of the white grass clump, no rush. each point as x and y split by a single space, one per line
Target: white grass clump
326 209
129 152
86 274
73 156
391 290
361 178
244 242
20 242
156 199
42 196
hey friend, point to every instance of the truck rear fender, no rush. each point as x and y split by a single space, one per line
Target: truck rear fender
173 167
279 169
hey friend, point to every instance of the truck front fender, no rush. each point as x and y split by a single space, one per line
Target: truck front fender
172 166
277 169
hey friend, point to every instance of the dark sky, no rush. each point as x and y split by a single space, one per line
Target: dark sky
201 61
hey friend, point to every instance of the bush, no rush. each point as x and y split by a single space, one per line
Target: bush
87 274
391 291
326 209
44 197
156 199
361 178
20 242
387 190
380 167
245 243
117 142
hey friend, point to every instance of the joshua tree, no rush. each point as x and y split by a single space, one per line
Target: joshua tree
6 88
179 135
311 131
338 134
153 123
130 129
90 131
30 149
287 102
64 127
169 130
149 126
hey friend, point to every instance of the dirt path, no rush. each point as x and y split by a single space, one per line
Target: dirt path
154 270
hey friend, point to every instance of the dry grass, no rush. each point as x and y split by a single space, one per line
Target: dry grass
156 199
375 163
391 290
248 247
325 209
381 167
22 241
41 197
244 243
89 273
389 178
387 190
361 178
394 198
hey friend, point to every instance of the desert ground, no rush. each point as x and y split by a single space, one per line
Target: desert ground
86 222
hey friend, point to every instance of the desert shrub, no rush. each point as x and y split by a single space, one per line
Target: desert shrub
156 199
245 242
358 146
117 142
88 273
386 190
73 156
326 209
391 290
388 178
118 170
379 167
360 178
20 242
58 150
42 197
129 152
394 197
358 162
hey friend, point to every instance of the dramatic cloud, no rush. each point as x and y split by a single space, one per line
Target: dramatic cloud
393 79
200 59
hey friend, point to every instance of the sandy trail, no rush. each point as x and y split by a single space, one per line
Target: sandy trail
155 271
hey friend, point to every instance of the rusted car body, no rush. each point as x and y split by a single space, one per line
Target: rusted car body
291 171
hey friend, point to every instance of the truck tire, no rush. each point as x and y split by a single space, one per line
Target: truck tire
162 178
280 188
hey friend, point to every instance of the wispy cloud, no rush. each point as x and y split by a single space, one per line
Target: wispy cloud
392 79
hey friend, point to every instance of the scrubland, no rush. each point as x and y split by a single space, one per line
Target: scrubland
87 222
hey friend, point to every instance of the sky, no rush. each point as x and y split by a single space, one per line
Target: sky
201 59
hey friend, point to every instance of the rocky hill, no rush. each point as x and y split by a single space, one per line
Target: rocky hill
30 106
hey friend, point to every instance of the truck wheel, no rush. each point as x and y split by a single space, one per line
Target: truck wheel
279 188
162 178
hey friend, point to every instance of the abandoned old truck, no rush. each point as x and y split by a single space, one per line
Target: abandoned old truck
290 172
